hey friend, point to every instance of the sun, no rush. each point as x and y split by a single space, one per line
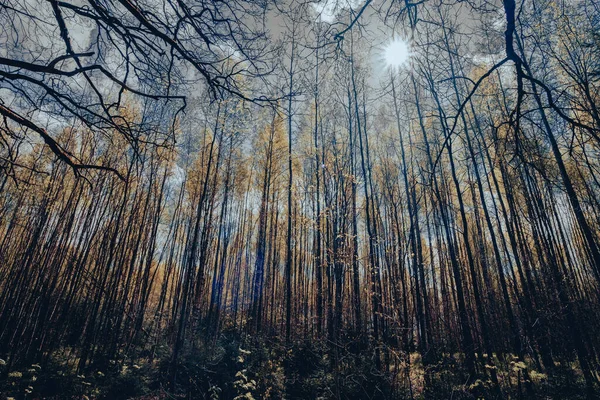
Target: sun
396 53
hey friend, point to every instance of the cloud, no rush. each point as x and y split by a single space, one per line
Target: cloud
327 9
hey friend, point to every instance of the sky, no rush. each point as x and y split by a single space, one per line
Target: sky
387 47
326 9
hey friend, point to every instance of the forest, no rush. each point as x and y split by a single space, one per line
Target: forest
299 199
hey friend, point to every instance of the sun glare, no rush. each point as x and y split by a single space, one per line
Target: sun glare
396 53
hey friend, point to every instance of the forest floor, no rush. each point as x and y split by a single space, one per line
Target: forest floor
236 367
